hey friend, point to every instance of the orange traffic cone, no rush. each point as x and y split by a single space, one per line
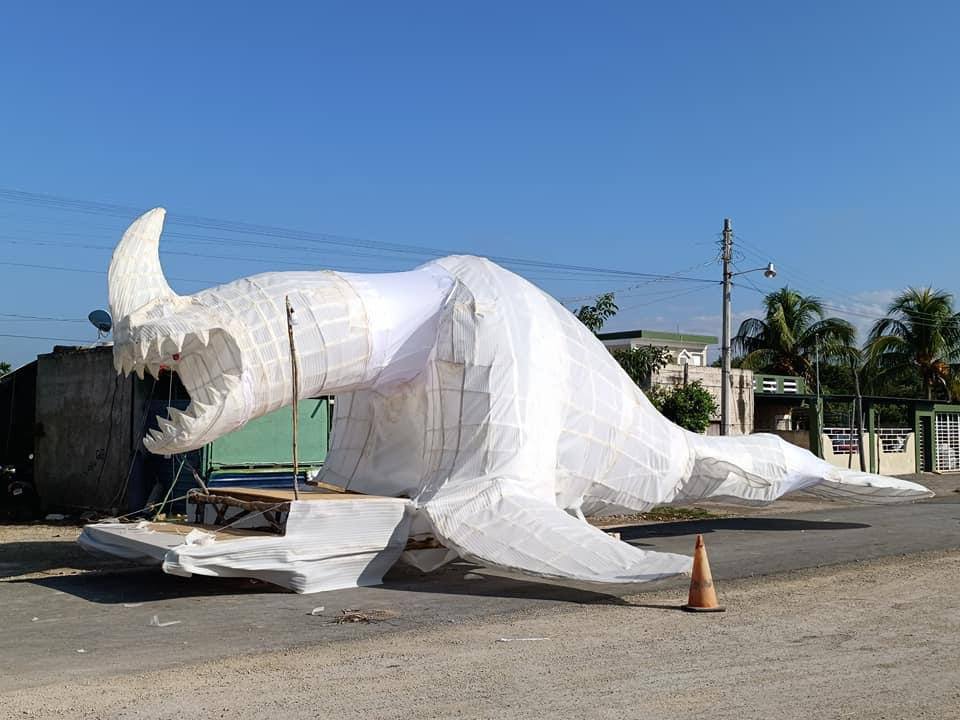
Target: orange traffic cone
702 597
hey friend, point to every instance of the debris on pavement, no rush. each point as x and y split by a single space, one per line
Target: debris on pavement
350 615
155 622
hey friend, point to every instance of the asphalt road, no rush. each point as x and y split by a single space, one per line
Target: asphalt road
76 627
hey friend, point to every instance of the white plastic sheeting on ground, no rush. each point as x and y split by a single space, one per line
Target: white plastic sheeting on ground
461 386
327 545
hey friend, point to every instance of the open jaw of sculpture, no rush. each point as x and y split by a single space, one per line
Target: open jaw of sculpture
496 418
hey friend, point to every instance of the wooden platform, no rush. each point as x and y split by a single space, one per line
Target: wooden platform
275 495
178 528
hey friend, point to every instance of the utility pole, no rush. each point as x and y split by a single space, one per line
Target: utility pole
816 340
295 377
725 383
858 404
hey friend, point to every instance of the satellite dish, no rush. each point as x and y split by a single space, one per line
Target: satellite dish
102 321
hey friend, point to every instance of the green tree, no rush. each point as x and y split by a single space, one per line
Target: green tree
793 331
4 368
689 406
641 362
837 378
594 316
917 343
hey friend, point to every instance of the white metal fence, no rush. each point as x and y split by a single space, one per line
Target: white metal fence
948 442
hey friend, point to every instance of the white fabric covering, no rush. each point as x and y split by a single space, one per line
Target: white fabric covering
327 545
463 387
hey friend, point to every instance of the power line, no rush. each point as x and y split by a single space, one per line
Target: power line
115 210
920 321
628 289
38 266
805 279
674 295
37 337
42 317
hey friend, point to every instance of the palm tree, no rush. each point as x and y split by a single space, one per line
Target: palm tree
919 340
790 336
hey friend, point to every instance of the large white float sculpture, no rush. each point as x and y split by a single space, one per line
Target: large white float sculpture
459 386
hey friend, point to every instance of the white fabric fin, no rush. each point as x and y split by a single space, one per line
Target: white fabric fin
855 486
758 469
495 523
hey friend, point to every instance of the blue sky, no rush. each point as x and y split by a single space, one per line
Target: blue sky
614 135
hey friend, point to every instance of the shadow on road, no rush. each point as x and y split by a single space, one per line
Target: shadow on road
109 581
140 584
33 556
466 579
147 585
761 524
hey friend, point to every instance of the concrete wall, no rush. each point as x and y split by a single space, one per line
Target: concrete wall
800 438
83 416
900 463
773 416
18 391
741 403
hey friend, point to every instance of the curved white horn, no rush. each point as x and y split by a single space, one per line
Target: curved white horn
135 276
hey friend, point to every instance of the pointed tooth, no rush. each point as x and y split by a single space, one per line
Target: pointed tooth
154 368
152 439
171 345
169 429
142 347
139 368
183 420
118 360
129 358
198 397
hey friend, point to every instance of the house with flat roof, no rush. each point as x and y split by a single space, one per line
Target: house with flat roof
684 348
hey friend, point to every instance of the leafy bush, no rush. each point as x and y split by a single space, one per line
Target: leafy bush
594 316
690 406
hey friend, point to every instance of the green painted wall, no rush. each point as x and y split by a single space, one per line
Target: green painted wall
267 441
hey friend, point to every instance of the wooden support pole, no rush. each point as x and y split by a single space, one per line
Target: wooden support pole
296 392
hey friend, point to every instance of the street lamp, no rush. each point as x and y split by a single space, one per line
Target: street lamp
770 271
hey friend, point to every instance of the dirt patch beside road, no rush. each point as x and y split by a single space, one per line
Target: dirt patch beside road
868 640
36 550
